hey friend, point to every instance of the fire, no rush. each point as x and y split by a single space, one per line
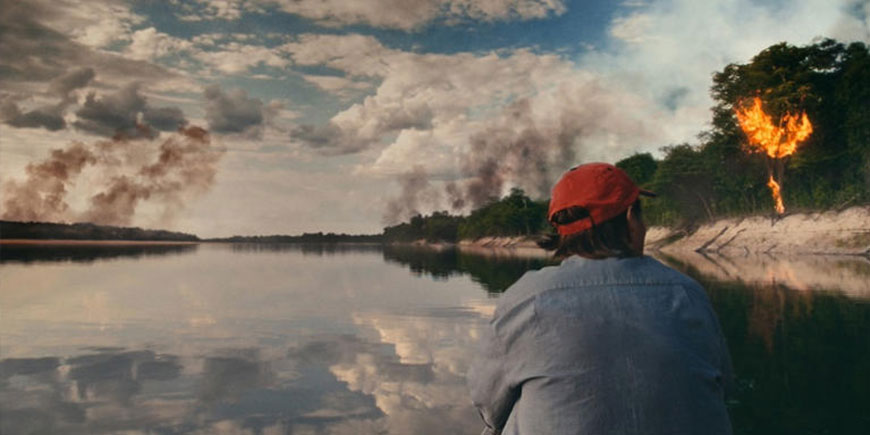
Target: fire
777 140
774 190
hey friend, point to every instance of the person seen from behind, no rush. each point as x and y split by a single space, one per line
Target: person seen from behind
611 341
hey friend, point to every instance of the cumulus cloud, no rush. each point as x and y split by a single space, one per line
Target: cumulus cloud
221 9
667 51
164 118
397 14
417 91
340 86
150 44
220 52
49 117
412 14
44 31
234 112
77 78
92 23
487 121
236 58
126 113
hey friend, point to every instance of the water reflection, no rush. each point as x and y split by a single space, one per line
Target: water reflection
494 272
226 378
398 375
318 249
75 395
84 252
846 274
265 339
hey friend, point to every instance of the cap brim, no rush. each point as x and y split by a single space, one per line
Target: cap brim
648 193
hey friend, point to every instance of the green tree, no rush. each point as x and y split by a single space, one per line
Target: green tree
641 167
830 82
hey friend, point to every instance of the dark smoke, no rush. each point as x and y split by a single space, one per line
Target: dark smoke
455 196
417 194
514 150
184 165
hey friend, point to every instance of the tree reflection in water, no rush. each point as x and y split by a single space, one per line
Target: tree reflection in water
88 252
495 273
801 356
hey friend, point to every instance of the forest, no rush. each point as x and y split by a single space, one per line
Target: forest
719 176
86 231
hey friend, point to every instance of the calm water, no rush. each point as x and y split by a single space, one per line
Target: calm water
358 339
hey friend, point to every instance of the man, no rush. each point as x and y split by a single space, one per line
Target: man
609 342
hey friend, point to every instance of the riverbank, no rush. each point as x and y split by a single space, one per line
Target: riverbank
845 232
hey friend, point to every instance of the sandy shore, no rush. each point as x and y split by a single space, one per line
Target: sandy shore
804 251
822 233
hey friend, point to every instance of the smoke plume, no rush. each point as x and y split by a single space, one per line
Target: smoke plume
417 191
167 176
42 196
514 150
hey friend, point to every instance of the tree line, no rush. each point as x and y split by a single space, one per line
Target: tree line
86 231
514 215
318 237
718 177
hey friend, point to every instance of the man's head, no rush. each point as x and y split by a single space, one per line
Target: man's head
596 211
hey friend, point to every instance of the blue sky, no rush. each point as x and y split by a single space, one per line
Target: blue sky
348 115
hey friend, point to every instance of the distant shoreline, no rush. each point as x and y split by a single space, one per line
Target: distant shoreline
845 232
68 242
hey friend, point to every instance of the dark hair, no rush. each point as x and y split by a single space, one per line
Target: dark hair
610 238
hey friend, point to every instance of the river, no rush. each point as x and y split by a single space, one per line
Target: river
357 339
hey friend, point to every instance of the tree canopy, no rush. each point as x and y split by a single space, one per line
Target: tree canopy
829 81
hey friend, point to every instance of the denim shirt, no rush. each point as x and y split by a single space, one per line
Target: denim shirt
612 346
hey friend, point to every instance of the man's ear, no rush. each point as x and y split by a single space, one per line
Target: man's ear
630 214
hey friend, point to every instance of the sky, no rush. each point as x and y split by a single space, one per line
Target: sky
226 117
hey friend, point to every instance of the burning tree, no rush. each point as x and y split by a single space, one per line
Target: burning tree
777 140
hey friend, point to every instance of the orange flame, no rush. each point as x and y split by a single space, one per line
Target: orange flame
777 141
774 190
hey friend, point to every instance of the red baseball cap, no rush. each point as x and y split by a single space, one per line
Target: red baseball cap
602 189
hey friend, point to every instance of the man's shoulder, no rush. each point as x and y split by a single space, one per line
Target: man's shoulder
577 272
